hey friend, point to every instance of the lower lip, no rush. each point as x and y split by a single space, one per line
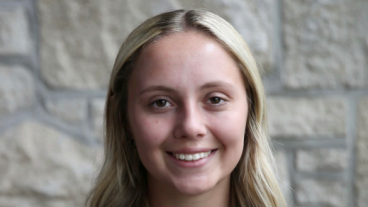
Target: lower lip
192 164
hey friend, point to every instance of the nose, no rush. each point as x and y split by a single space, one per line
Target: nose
190 122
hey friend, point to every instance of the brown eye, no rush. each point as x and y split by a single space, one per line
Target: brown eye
215 100
160 103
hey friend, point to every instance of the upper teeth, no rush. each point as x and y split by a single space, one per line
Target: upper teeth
189 157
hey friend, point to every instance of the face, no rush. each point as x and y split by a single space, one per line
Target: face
187 109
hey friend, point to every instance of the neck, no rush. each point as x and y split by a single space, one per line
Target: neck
160 195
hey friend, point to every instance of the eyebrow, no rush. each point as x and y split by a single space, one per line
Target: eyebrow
171 90
216 84
156 88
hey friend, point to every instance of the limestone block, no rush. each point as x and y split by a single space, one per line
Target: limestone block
15 202
73 50
320 192
298 117
40 166
333 160
72 111
14 31
80 39
16 88
361 166
283 175
98 109
322 46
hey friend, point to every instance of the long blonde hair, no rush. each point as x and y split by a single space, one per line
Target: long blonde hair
122 180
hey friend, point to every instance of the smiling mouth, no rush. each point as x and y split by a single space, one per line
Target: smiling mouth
191 157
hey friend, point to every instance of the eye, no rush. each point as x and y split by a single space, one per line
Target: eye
216 100
161 103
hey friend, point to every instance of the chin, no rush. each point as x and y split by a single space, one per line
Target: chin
193 188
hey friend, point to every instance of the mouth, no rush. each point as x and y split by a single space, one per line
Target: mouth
191 157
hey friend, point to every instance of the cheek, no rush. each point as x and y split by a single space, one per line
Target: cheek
233 129
231 133
234 143
148 132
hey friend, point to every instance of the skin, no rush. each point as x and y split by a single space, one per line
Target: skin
186 92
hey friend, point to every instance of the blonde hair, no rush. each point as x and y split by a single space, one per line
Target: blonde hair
122 180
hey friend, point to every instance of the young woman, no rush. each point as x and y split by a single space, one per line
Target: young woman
185 119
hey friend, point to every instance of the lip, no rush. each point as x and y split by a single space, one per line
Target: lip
191 150
191 164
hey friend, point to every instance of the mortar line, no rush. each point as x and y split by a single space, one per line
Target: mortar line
42 117
278 55
279 35
350 139
304 143
273 79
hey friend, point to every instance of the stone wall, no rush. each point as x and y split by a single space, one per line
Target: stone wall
55 59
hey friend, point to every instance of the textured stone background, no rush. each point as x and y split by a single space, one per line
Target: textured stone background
55 58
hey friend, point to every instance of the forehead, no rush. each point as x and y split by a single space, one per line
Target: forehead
188 39
185 58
